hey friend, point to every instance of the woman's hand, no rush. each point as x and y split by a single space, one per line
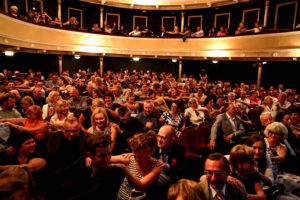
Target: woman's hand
88 161
235 183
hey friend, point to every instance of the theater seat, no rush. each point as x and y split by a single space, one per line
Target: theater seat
194 140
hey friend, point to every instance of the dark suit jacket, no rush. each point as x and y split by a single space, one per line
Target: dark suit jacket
176 160
230 194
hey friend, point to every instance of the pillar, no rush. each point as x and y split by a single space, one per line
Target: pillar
60 57
101 58
259 75
5 6
180 70
59 9
101 17
182 21
267 3
42 6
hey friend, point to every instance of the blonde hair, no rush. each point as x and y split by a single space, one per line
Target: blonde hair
97 111
277 127
28 99
36 111
60 103
187 189
51 95
98 102
241 153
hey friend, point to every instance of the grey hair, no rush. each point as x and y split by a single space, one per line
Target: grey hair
277 127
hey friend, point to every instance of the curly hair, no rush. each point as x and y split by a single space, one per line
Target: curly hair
143 141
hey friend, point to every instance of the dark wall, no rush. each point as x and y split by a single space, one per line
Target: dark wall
24 61
70 63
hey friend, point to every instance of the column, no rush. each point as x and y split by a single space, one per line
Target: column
182 21
101 17
259 74
5 6
267 3
101 58
180 70
42 6
60 57
59 9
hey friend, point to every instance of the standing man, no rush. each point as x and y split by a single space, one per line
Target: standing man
217 169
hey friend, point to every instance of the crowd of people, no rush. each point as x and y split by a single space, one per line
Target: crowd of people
123 136
72 24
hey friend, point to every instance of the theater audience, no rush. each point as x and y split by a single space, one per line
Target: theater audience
33 124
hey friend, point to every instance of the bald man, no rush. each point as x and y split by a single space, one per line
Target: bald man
171 153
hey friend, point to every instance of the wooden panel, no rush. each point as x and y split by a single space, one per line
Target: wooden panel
140 21
169 23
194 22
250 17
222 19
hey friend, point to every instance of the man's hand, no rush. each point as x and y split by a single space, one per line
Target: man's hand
229 137
212 144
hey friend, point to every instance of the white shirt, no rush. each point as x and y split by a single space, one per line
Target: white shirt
214 192
231 122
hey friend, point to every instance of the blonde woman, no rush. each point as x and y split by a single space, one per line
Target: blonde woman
62 112
85 117
101 125
49 108
26 101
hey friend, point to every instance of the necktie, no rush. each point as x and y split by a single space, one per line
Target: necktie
219 196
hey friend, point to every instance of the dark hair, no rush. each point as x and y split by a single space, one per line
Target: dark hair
109 94
123 111
95 141
19 139
262 161
219 156
142 141
207 100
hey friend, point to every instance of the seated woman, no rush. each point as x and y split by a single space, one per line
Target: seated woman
277 151
26 102
185 189
33 124
85 117
175 33
62 112
131 104
25 154
241 29
141 170
49 108
101 125
242 162
111 106
194 114
210 112
96 29
221 32
174 118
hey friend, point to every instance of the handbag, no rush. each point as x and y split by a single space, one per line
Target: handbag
273 191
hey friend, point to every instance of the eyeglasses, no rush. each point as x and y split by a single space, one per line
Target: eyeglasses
72 131
217 173
161 137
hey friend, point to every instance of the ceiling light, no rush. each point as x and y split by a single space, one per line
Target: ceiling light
9 53
215 62
77 57
264 62
136 59
174 60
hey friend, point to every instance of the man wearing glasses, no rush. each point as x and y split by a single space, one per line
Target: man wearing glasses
66 158
214 186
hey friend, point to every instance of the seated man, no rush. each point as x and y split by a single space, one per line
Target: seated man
226 130
147 118
126 126
53 82
7 107
100 179
78 103
198 33
214 185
